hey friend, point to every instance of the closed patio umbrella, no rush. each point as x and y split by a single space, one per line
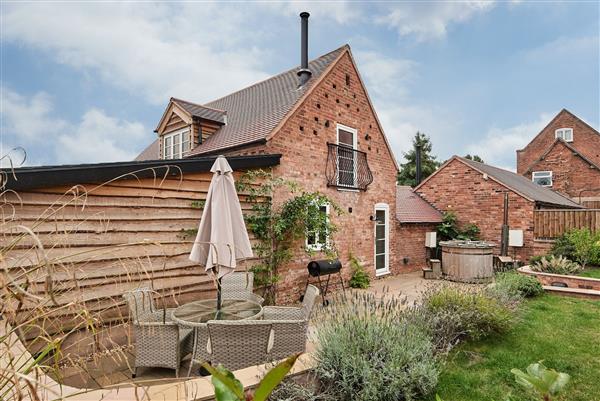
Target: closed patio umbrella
222 238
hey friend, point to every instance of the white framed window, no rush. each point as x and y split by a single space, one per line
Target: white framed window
317 240
543 178
347 140
176 144
566 134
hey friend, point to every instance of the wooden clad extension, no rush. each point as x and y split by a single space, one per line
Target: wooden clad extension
89 248
549 224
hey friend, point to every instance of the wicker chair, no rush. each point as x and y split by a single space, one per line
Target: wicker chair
294 312
200 346
239 344
289 337
159 341
240 285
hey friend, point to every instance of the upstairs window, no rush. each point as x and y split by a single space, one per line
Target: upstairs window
543 178
346 156
176 144
566 134
317 240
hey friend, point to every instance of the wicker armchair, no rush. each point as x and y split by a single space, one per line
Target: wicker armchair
294 312
239 344
289 337
240 285
159 341
200 346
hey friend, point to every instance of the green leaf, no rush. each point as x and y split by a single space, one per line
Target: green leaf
227 387
559 383
273 378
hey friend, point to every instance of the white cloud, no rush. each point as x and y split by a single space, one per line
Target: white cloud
340 11
387 76
28 122
499 145
430 20
152 50
99 137
564 48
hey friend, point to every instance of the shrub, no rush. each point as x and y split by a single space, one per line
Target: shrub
563 247
367 352
556 265
449 229
474 314
586 246
515 283
360 278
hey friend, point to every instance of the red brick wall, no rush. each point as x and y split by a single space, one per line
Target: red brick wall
571 175
585 140
411 244
463 190
304 160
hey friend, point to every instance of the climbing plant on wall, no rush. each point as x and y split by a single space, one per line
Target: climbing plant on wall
280 227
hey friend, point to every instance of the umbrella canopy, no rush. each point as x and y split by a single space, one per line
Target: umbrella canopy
222 237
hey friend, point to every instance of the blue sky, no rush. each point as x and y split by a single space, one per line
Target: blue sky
87 82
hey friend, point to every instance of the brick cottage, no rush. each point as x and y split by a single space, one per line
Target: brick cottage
565 156
475 193
321 121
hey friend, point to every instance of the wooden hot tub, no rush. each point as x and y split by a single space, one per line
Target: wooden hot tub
467 261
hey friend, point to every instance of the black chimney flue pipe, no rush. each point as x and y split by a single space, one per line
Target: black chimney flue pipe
418 164
304 73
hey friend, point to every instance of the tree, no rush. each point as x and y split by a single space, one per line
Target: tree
408 170
475 158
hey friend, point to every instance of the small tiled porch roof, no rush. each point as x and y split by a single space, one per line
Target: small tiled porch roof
411 208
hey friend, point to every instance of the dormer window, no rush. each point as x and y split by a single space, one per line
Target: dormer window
176 144
566 134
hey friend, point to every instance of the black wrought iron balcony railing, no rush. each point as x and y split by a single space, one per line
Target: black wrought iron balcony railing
347 168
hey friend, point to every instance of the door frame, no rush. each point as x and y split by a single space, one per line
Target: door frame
385 208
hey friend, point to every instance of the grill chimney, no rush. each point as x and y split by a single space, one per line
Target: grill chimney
304 73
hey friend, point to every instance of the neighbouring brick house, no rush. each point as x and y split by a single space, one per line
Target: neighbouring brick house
475 193
414 218
330 140
564 156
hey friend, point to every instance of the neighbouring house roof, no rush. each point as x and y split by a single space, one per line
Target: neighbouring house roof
252 113
23 178
200 111
515 182
560 113
411 208
522 185
570 147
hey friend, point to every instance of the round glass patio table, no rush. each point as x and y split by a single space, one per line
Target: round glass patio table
206 309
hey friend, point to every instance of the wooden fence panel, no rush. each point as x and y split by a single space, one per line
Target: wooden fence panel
550 224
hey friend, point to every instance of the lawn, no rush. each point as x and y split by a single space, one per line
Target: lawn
562 331
593 272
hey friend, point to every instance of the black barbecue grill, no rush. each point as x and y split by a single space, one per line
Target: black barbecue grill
326 267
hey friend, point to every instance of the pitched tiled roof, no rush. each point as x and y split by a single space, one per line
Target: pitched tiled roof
197 110
521 185
253 112
411 208
150 153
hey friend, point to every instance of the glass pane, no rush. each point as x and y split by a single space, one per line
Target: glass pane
380 231
186 146
346 138
380 246
168 141
311 239
176 139
380 216
380 262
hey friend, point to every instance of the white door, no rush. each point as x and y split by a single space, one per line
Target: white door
382 239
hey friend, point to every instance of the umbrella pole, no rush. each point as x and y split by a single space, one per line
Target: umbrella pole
219 298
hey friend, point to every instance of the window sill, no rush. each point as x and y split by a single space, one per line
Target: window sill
383 273
347 189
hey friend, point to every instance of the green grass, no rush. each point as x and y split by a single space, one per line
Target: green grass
562 331
593 272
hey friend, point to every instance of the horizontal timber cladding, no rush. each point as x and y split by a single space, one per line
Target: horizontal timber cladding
549 224
87 249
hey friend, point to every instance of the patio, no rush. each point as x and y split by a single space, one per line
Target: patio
115 368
